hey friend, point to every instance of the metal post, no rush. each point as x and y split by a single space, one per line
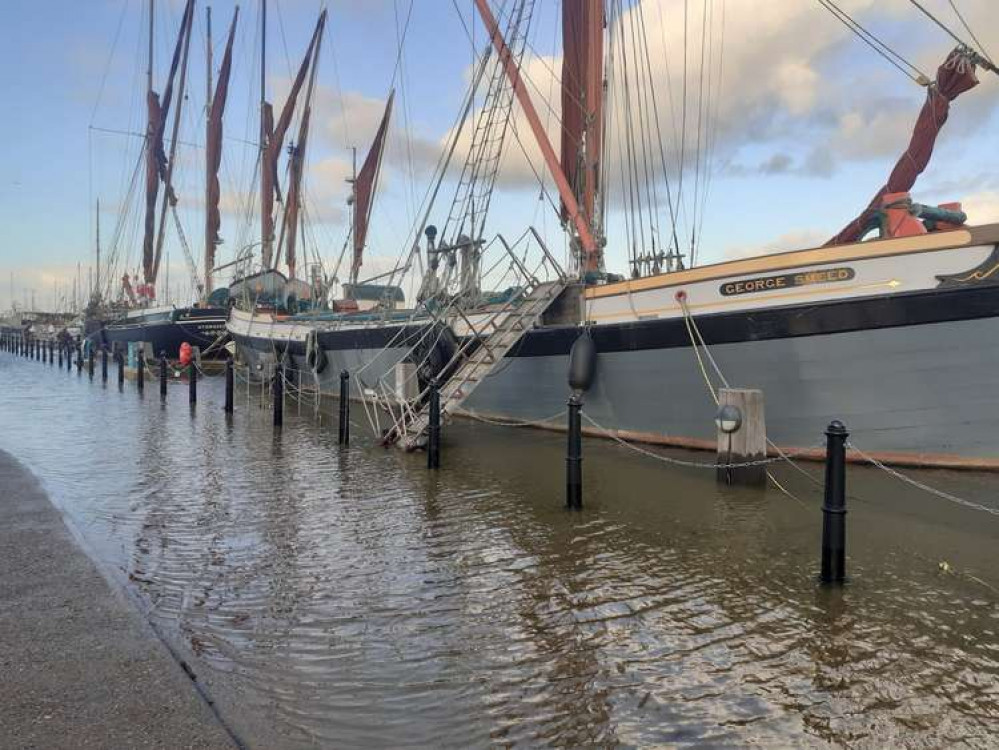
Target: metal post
140 369
51 352
90 360
344 407
60 356
229 383
434 432
104 364
163 376
192 381
574 457
121 368
278 393
834 507
79 358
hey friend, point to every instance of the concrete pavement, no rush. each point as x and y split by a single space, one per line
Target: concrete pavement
79 666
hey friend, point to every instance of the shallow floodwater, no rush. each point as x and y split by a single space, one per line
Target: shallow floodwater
351 598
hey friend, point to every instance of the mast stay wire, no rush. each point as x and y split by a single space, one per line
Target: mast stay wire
981 47
907 68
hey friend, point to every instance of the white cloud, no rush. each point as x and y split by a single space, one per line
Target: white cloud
982 208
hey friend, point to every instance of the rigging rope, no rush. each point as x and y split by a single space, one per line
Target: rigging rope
914 73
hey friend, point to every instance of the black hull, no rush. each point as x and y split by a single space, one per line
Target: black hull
201 327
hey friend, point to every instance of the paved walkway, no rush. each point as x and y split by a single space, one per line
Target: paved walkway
79 666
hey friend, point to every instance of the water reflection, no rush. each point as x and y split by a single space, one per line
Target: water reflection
352 598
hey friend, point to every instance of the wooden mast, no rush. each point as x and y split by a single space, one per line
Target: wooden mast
97 286
169 198
591 253
209 239
265 249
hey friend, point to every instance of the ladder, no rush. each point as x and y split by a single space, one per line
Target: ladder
514 321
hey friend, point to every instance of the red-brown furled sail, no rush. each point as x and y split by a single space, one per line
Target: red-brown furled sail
365 187
295 168
582 100
954 77
275 142
156 160
213 153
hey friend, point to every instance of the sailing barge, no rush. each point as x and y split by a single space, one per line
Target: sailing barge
892 335
137 317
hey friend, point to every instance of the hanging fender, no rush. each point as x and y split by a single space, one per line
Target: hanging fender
315 357
582 362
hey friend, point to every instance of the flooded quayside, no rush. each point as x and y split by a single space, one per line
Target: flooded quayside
350 597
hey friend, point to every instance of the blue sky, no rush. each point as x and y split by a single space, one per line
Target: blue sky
807 122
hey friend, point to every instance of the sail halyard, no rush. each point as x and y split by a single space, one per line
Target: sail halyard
582 103
297 163
274 134
213 154
365 188
954 77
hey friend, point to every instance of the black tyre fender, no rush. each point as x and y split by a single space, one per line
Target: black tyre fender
315 357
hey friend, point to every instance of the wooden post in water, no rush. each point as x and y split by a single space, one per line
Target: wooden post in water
434 427
79 358
742 436
192 382
104 364
51 352
163 376
834 506
90 360
60 356
278 393
120 358
229 384
574 456
344 436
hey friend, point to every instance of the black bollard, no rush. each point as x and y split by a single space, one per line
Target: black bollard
192 383
344 436
434 427
79 359
834 507
104 364
163 375
229 383
121 368
90 360
140 370
574 457
278 394
51 352
60 356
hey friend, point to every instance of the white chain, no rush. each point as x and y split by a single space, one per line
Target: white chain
919 485
693 464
